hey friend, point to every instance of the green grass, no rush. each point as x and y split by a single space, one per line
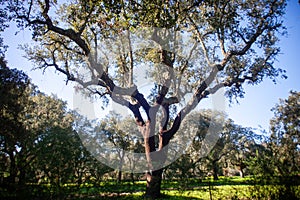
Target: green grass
216 192
233 188
225 188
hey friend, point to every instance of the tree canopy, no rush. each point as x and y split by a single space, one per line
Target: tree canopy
229 43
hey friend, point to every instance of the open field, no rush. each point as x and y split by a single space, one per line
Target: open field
225 188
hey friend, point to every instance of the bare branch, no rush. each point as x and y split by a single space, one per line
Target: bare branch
133 107
29 10
200 38
131 61
62 43
97 92
242 37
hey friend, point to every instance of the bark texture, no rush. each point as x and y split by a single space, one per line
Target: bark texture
154 184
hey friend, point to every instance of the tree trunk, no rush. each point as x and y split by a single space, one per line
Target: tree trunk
12 169
132 177
119 175
153 184
241 168
154 177
215 171
216 177
242 174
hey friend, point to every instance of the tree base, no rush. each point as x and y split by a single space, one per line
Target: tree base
153 185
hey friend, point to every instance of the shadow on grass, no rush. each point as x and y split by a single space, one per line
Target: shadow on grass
125 196
225 188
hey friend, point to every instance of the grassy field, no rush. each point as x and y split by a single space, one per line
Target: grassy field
233 188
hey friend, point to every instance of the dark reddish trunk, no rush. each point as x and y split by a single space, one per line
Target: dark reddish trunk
156 159
154 184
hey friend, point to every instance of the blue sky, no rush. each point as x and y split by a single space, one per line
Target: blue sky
253 110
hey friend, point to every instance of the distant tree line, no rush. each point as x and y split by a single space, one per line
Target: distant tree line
38 142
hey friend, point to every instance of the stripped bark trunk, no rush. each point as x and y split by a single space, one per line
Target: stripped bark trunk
153 187
156 159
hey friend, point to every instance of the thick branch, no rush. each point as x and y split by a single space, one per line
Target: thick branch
70 33
133 107
143 102
170 100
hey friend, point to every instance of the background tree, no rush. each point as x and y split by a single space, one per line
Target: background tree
231 149
3 25
285 135
245 144
231 42
191 164
14 96
230 155
222 148
41 114
61 159
38 143
122 135
277 159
